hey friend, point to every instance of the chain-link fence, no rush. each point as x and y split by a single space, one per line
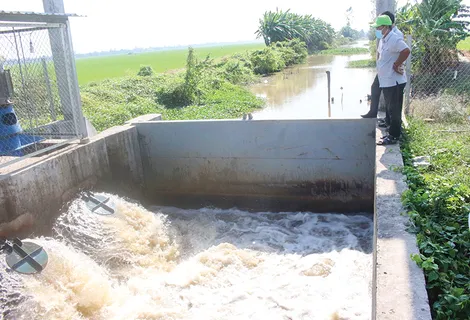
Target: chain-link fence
39 107
440 82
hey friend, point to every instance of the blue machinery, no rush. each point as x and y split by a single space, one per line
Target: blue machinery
30 258
12 139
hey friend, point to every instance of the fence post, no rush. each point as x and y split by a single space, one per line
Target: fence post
329 93
64 62
49 90
408 78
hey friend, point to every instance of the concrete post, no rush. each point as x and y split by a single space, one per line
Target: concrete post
63 57
381 6
408 78
385 5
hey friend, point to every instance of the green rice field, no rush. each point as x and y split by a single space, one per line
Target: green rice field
100 68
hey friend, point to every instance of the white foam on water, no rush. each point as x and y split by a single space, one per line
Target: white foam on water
170 263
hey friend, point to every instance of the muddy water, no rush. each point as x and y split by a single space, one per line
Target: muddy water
301 92
170 263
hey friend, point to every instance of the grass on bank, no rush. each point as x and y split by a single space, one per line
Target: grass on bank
438 202
101 68
368 63
344 51
115 101
464 44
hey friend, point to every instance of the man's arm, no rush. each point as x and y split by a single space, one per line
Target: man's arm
402 57
402 47
398 64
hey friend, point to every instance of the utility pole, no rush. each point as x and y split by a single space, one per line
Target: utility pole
385 5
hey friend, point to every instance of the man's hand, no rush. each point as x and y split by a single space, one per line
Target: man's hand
398 68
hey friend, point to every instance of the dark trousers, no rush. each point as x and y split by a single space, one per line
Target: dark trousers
375 91
394 103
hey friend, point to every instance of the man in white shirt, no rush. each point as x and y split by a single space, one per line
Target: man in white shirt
392 53
375 88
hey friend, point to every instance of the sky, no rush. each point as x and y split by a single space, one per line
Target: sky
119 24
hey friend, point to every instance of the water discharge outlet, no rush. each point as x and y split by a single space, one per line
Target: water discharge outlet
24 257
98 204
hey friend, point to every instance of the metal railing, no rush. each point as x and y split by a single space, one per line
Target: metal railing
39 98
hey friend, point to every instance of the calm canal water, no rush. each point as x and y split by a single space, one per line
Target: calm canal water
301 92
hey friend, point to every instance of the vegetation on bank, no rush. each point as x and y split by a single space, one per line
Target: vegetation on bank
438 203
367 63
438 199
344 51
437 27
105 67
206 89
464 45
209 88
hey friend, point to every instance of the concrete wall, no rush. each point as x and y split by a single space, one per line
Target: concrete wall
41 187
319 165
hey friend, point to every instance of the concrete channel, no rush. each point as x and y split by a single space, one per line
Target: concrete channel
272 165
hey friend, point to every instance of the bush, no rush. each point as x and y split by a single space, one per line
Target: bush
227 102
145 71
267 61
341 40
236 69
172 93
293 52
180 92
113 102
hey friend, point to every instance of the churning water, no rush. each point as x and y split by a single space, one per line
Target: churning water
170 263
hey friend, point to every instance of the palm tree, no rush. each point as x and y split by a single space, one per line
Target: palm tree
282 26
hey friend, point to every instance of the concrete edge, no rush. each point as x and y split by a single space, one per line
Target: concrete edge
399 287
145 118
41 187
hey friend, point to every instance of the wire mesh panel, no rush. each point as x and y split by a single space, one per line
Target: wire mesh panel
37 106
440 81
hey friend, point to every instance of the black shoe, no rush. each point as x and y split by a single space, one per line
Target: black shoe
368 115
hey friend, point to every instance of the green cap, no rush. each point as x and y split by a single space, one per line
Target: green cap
382 20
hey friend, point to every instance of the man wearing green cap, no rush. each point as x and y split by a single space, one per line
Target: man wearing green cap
375 90
393 52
